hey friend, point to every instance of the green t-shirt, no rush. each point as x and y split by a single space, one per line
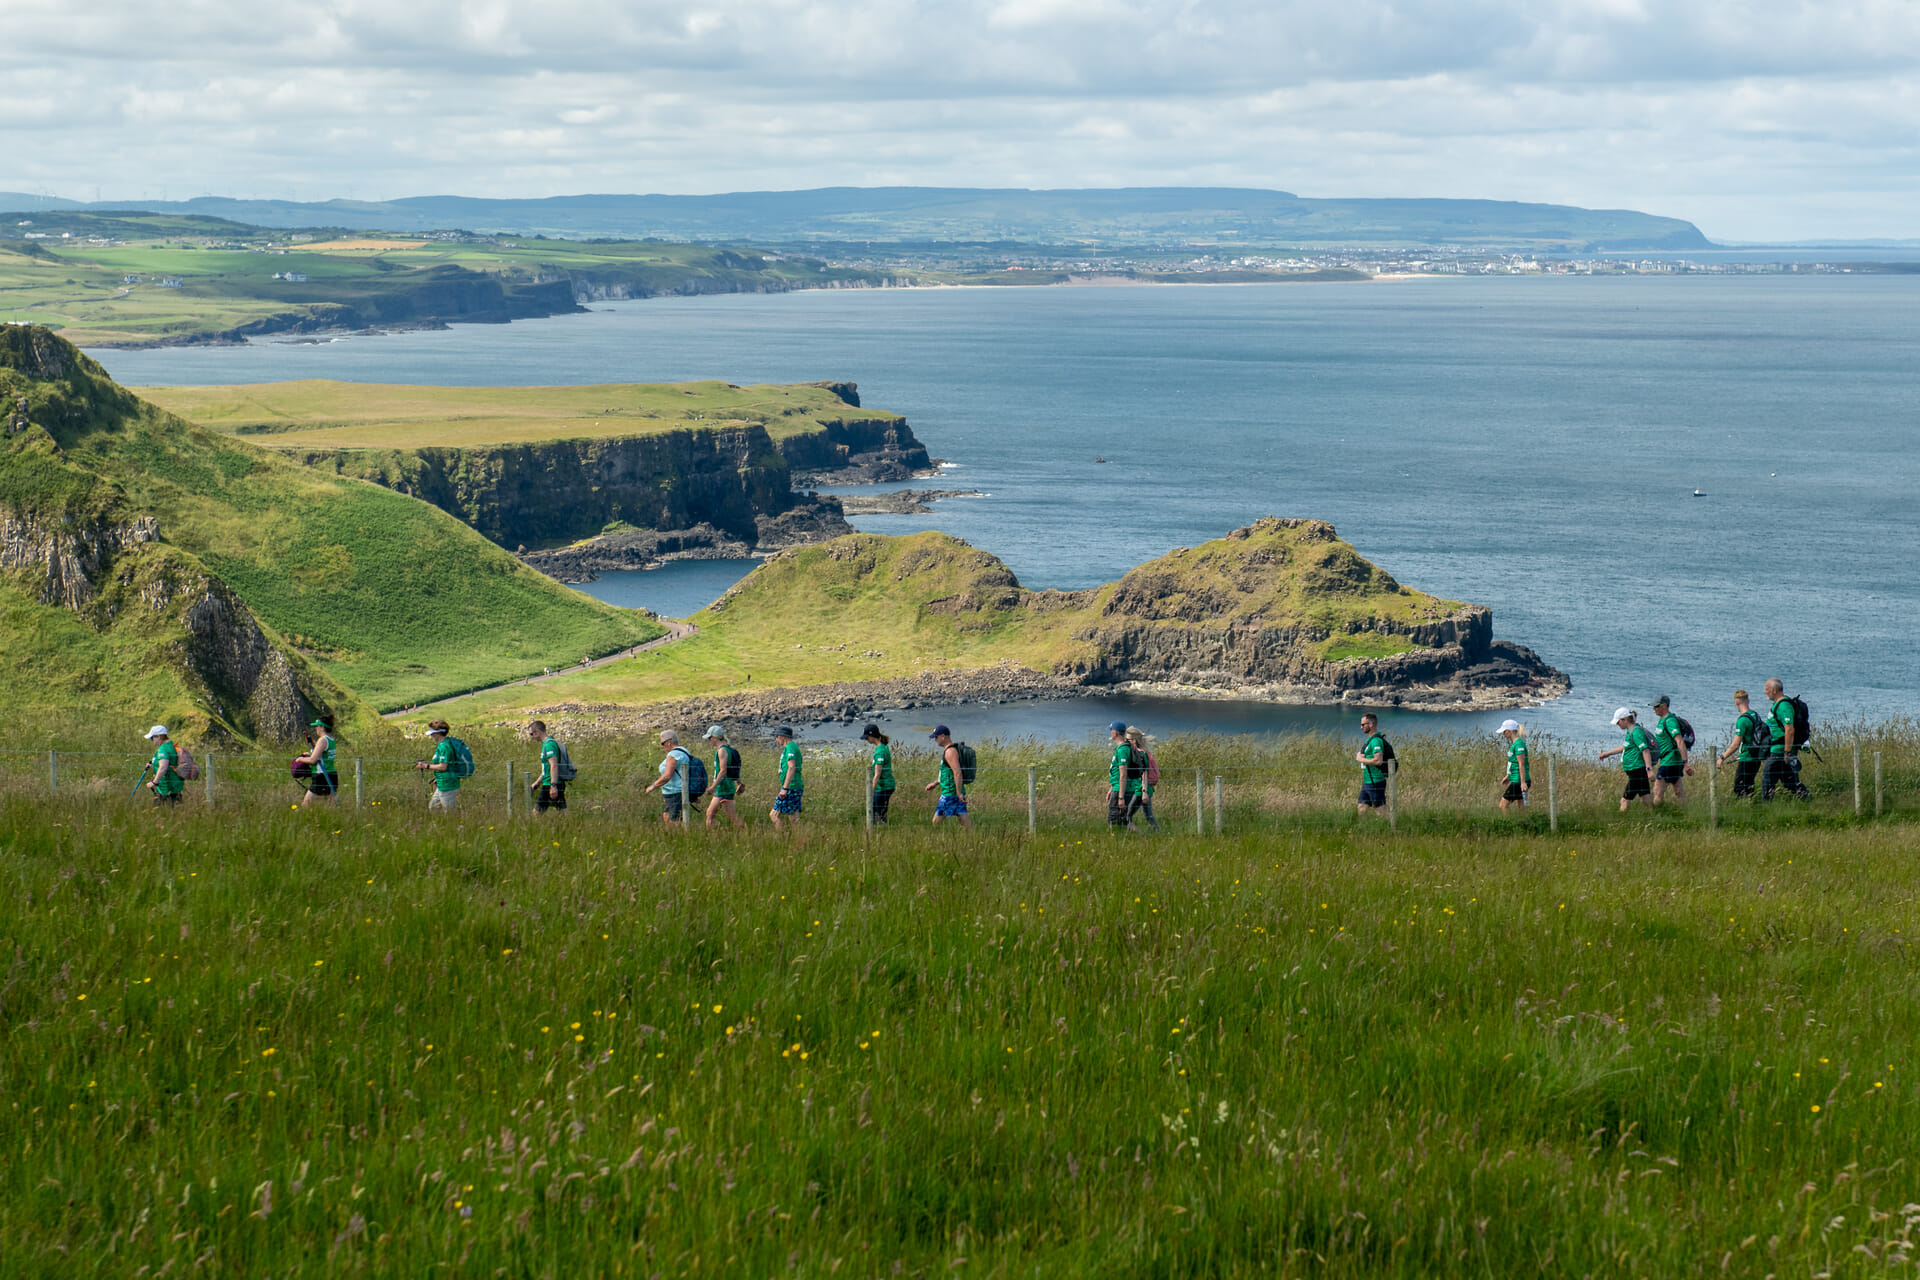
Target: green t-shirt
1744 727
1639 748
949 783
883 761
1373 773
173 784
790 757
1519 768
1117 779
723 786
1667 739
1778 722
549 752
444 779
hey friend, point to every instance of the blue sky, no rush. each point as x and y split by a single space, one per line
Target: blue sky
1757 119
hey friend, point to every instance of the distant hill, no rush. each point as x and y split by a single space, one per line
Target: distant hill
1097 217
150 568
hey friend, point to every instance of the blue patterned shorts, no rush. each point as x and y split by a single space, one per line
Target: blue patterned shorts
787 801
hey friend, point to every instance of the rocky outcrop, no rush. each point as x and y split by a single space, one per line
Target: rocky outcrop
855 451
66 555
635 549
901 502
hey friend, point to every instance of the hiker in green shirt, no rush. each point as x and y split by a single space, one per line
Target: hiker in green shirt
1635 753
880 783
726 776
1372 759
166 785
1670 739
1782 768
1750 736
550 791
952 783
442 770
1519 773
1123 778
789 801
323 783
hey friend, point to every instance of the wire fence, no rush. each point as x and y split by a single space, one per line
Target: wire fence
1863 778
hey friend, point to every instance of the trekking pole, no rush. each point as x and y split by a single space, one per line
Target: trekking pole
136 786
1856 777
1553 799
1876 784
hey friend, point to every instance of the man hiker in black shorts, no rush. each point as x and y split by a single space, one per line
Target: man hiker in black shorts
1372 759
1671 743
1750 739
1783 757
550 790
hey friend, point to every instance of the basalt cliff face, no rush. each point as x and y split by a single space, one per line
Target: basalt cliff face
738 480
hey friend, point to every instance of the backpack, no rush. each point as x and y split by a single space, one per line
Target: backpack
696 779
1153 771
462 758
1686 731
563 769
969 763
1388 760
186 768
1802 723
1136 763
1759 738
733 765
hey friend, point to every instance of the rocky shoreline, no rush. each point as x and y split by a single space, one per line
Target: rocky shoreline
901 502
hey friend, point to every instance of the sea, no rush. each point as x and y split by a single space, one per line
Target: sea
1664 484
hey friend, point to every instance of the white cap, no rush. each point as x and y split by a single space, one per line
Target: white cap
1509 726
158 731
1624 713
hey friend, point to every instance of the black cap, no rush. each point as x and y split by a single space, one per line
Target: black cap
871 731
1663 701
940 729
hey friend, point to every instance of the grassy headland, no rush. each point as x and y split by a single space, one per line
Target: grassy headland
382 593
319 414
266 1039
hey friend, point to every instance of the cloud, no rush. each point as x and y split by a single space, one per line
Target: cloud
1755 117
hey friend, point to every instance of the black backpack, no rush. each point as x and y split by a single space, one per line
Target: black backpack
1802 723
733 765
1759 738
1388 760
1136 763
969 763
1686 731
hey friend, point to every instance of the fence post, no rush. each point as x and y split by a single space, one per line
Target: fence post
359 783
1393 798
53 773
1217 788
1553 798
1199 803
686 792
1033 800
1877 778
207 770
509 788
1713 788
1856 778
869 791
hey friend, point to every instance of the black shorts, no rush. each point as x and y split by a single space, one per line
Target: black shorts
1672 772
673 808
543 802
1373 795
1637 784
160 798
1514 793
882 800
323 784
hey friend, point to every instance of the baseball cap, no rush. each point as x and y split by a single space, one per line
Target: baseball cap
871 731
940 729
158 731
1663 701
1624 713
1509 726
1118 726
316 724
784 731
715 731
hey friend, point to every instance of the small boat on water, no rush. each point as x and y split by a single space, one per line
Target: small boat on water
1699 493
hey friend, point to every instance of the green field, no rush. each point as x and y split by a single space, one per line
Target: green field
869 607
226 285
359 1042
384 594
319 414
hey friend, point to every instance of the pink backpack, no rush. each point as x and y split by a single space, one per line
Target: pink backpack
186 768
1153 771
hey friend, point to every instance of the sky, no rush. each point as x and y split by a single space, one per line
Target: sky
1756 119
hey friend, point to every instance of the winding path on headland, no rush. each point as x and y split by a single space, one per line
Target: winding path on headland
676 631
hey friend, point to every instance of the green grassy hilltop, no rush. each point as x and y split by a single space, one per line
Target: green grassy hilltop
368 588
869 607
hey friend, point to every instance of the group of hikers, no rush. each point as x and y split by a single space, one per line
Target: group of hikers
1656 764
